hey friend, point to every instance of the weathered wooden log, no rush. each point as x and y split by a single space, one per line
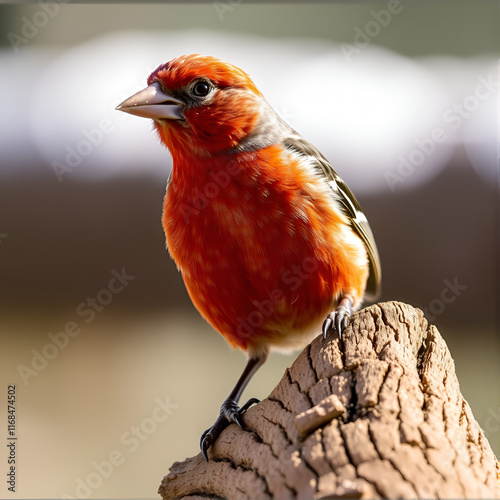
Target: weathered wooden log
378 414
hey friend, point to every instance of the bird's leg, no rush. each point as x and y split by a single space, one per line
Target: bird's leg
338 319
230 411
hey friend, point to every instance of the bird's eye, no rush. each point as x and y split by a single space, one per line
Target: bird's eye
201 89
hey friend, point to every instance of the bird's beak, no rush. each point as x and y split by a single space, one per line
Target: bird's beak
152 102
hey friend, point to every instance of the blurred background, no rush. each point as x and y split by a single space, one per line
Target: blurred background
401 97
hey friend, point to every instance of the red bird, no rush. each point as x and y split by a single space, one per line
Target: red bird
268 238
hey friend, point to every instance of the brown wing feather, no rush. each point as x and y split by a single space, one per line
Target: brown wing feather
349 206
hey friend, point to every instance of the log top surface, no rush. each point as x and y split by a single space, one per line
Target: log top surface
378 414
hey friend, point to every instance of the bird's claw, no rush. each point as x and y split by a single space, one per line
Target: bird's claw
250 402
338 319
209 437
229 412
327 324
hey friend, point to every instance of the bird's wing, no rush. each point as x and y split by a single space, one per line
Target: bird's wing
347 203
169 180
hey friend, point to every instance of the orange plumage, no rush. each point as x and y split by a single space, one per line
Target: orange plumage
270 229
268 238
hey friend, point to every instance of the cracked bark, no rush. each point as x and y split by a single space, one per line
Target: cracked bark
379 414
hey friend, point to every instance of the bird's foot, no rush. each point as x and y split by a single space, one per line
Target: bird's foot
229 412
338 319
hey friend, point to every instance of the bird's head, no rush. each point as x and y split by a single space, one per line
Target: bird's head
199 104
